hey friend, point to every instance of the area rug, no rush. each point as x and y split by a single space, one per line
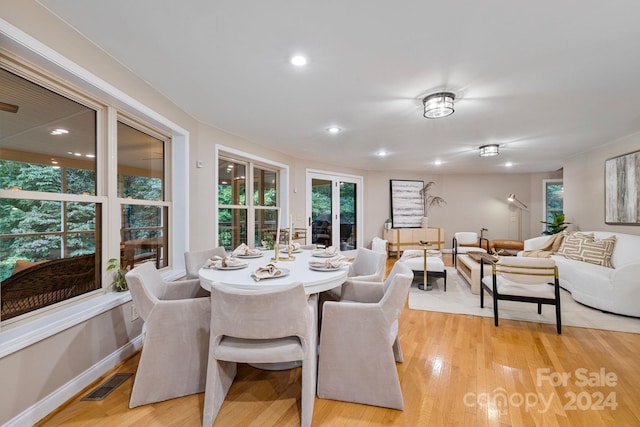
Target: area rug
459 299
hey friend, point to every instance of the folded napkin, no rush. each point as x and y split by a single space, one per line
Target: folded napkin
331 250
220 262
335 262
269 270
244 250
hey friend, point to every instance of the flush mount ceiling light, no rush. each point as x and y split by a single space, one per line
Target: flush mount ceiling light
489 150
438 105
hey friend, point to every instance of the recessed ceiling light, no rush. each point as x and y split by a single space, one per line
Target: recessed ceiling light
508 164
437 162
59 131
382 153
299 60
333 129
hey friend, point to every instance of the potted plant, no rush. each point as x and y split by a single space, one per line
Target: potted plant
429 201
556 225
387 224
119 281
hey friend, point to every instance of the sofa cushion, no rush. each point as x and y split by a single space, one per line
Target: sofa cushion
573 243
596 251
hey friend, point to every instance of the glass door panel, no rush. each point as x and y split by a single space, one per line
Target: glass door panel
348 216
321 212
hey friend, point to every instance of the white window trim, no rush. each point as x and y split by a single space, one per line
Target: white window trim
18 337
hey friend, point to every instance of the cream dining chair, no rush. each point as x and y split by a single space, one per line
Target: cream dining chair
359 341
173 362
268 325
194 260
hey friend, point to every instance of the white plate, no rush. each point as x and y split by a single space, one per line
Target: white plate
284 272
295 251
232 267
249 256
323 255
324 268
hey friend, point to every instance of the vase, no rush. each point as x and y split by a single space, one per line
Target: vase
425 222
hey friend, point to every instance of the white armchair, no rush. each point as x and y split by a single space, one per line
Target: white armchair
467 238
359 342
532 280
176 339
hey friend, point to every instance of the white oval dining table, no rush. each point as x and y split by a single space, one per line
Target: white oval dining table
299 271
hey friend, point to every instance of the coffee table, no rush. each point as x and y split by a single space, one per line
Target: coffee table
468 266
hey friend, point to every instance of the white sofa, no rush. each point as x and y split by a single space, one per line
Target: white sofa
615 290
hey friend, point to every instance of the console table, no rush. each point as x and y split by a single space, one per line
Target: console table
409 238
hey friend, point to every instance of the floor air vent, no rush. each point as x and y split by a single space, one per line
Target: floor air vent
107 387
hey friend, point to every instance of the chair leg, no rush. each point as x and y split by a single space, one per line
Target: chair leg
558 318
445 280
220 375
481 295
495 311
308 394
539 308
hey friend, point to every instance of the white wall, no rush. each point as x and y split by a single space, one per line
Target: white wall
584 186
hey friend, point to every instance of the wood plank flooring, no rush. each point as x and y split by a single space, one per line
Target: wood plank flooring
458 370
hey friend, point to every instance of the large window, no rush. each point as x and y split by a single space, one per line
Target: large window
54 181
243 219
50 215
553 198
141 177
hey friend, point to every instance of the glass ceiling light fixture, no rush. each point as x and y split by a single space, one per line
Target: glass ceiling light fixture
489 150
438 105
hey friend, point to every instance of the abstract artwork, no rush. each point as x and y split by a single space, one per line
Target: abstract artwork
622 189
407 208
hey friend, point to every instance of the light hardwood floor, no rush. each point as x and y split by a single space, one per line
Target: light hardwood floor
458 370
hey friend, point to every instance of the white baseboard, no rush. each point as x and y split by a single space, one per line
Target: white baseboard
50 403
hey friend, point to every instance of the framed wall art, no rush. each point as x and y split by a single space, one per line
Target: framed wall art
407 208
622 189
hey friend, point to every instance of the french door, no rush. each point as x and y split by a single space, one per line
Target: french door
334 210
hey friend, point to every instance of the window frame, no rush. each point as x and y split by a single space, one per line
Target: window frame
224 153
50 70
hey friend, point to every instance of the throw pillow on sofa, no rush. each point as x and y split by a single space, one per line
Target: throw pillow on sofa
596 251
573 242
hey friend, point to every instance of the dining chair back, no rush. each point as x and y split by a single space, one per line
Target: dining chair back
524 279
194 260
173 362
268 325
359 342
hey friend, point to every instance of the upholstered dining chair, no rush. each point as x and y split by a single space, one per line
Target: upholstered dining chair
268 325
359 342
173 362
523 279
368 265
194 260
467 238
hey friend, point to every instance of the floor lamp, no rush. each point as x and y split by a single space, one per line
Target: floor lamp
513 199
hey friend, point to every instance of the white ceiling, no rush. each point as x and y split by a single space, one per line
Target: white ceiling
544 79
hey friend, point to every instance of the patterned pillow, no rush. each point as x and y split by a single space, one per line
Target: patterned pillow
572 244
596 252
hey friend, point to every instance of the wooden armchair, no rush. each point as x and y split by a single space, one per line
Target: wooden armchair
47 283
